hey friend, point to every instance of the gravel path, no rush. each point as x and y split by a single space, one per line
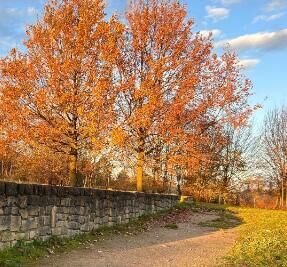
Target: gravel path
189 245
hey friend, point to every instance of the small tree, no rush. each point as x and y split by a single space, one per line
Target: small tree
274 141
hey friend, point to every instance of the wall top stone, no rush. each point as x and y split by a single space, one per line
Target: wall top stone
15 189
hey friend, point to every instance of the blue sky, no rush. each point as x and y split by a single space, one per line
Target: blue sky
256 29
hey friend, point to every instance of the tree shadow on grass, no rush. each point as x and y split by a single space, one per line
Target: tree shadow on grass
227 218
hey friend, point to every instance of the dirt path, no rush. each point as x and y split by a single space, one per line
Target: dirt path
189 245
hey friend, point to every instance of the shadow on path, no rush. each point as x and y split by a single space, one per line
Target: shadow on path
196 242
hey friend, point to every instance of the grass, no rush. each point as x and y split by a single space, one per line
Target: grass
225 221
23 254
262 238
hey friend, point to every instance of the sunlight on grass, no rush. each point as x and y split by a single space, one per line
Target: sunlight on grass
263 239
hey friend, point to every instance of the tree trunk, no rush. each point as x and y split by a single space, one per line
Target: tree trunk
139 170
178 177
282 194
73 158
2 168
277 205
219 199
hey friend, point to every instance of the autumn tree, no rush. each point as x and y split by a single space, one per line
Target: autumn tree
172 86
59 91
155 60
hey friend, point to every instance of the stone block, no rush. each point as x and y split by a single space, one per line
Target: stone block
23 213
11 210
75 191
96 220
21 236
22 202
74 210
33 211
65 202
53 216
2 188
11 189
53 201
105 219
42 211
15 223
71 232
83 211
85 227
33 234
12 201
47 190
30 224
29 189
57 231
82 219
4 223
7 236
62 217
44 220
3 201
33 200
61 224
44 230
73 225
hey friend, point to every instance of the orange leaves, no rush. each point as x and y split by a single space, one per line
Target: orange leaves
152 84
176 89
118 137
61 89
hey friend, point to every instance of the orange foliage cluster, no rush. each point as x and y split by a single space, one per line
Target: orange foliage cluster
148 88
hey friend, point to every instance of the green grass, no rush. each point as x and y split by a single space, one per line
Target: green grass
202 206
23 254
262 233
263 239
226 220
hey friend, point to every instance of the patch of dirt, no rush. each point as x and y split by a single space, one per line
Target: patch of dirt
189 245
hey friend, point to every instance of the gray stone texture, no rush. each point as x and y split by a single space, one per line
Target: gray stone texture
30 211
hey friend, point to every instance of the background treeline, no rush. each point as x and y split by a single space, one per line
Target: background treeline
141 102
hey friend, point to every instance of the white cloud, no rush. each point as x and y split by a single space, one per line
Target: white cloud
217 13
229 2
248 63
268 18
31 11
275 4
260 40
12 25
214 32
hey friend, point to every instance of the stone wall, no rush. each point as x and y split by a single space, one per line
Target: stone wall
29 211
